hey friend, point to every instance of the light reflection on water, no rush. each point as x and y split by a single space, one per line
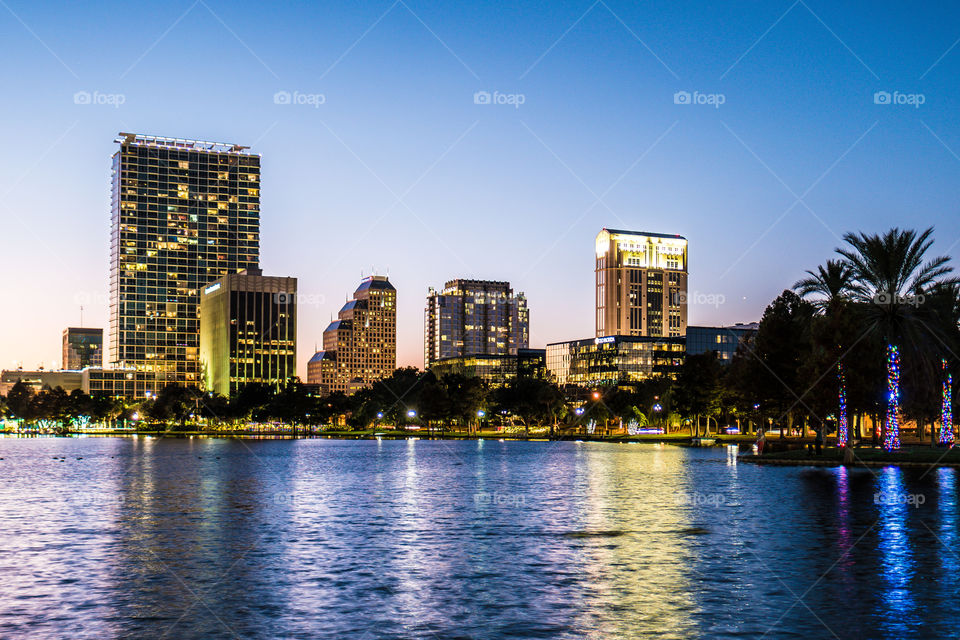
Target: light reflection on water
483 539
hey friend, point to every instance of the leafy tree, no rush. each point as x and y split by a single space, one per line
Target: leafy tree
698 391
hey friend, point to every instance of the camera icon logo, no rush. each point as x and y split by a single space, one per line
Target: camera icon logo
81 97
283 298
881 97
481 97
681 97
281 97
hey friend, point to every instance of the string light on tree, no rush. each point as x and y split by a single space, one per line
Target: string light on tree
946 410
892 437
842 426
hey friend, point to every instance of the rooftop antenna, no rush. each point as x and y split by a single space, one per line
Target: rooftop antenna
81 315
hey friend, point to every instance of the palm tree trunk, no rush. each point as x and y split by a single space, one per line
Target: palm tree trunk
843 434
891 440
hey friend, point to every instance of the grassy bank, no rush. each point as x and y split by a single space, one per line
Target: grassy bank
866 456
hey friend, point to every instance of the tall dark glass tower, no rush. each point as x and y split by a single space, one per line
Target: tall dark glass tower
184 213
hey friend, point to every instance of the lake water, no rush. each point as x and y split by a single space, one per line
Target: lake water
202 538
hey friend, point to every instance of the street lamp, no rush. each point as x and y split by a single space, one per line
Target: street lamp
411 413
578 411
379 415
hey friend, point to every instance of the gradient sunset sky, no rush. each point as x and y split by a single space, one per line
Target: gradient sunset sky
399 170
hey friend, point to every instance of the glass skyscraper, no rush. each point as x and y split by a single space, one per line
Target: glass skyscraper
184 213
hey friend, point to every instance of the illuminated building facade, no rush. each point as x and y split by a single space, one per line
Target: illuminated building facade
495 370
723 340
248 331
474 317
360 346
610 360
641 284
82 348
184 213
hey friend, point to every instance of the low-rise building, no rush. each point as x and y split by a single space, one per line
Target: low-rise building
495 370
39 379
609 360
723 340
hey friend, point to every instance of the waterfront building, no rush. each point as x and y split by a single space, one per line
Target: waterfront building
360 346
82 348
248 331
473 318
723 340
39 379
495 370
184 213
610 360
641 284
125 383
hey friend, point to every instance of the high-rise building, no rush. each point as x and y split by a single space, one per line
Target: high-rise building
641 284
184 213
360 346
248 331
82 348
474 318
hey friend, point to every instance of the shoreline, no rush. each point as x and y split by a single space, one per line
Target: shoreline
674 439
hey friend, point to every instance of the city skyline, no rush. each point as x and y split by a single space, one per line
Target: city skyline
397 128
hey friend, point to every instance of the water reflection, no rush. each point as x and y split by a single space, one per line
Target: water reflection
896 556
425 539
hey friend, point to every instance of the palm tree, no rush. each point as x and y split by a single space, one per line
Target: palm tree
832 285
891 277
940 316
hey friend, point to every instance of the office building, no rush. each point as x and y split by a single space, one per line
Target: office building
82 348
360 346
184 213
495 370
613 360
473 318
723 340
641 284
248 331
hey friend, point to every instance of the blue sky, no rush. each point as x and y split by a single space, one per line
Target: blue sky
400 170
